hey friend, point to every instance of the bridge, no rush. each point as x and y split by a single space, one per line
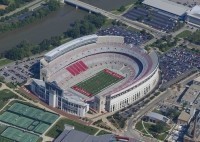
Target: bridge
128 22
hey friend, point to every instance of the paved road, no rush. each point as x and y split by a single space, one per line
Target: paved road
29 5
110 15
131 122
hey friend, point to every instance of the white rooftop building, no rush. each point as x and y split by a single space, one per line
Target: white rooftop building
193 16
170 8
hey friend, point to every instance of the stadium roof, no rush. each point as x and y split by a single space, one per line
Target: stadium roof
68 45
194 12
167 6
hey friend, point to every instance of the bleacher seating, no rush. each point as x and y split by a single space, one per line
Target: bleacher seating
77 68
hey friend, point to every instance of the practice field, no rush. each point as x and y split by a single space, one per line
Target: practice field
19 135
33 113
28 117
98 82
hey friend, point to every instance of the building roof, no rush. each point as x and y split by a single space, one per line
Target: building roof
198 78
157 116
167 6
194 12
191 94
77 136
184 116
39 82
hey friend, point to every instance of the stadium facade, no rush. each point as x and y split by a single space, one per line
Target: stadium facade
101 73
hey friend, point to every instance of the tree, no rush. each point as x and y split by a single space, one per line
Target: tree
122 8
159 127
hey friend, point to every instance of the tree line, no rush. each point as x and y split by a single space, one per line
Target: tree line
29 16
11 5
195 37
88 25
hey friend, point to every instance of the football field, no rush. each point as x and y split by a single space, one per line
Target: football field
98 82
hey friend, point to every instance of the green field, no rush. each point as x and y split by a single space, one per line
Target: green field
184 34
5 95
102 132
4 61
57 129
97 83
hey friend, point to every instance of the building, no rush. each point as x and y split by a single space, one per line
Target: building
192 94
169 8
155 118
193 16
184 118
65 70
77 136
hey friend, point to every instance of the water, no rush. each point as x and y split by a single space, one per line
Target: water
54 24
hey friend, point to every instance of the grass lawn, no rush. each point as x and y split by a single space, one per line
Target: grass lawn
102 132
161 135
57 129
4 61
5 95
184 34
139 126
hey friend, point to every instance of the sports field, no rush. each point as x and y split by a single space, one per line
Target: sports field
28 118
19 135
98 82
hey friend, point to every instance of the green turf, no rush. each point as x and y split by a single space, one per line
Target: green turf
98 82
184 34
19 135
5 95
4 61
57 129
102 132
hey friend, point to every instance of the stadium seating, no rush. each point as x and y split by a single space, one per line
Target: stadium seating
77 68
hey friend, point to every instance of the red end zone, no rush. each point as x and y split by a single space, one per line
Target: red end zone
82 91
113 73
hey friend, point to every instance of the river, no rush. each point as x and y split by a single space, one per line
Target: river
54 24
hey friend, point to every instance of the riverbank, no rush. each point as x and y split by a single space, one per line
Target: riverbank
53 25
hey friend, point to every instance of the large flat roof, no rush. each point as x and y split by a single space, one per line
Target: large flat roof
167 6
194 12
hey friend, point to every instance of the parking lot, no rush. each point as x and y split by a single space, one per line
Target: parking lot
177 62
152 18
21 70
130 37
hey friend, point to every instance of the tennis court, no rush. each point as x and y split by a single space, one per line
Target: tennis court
41 128
33 113
19 135
16 120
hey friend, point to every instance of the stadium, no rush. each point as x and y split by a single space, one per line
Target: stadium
101 73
